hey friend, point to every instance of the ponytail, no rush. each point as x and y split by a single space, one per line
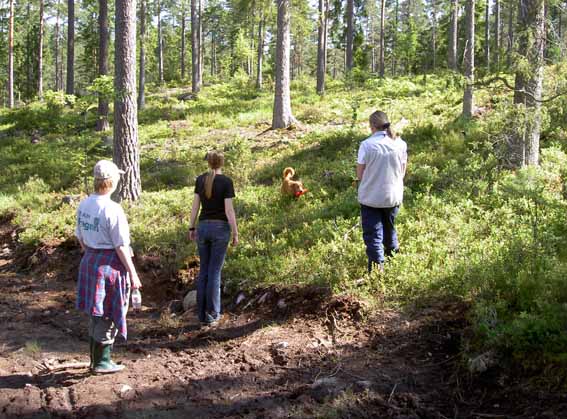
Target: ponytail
216 161
209 184
379 120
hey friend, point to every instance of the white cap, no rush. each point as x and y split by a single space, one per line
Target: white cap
105 169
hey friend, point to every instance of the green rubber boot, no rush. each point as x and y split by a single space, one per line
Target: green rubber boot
102 362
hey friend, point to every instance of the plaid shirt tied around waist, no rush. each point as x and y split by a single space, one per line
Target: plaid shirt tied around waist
103 288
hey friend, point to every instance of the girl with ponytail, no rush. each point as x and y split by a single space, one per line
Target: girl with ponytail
212 203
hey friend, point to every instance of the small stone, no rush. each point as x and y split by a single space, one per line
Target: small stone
362 385
240 297
281 304
190 300
282 345
125 390
47 312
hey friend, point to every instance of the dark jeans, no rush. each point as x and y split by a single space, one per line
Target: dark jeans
212 239
379 233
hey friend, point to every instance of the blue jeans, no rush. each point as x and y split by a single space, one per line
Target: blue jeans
212 239
379 233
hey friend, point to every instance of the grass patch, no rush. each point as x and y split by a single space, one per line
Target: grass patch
469 229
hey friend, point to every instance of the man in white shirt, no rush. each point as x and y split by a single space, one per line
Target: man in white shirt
381 166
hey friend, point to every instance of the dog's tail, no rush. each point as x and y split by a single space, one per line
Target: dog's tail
288 173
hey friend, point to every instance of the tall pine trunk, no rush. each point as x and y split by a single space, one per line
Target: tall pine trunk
201 46
382 37
510 46
453 36
183 18
259 61
58 81
103 37
214 55
487 36
126 152
195 49
468 99
497 25
322 47
282 116
395 39
11 56
40 52
70 86
160 44
524 148
142 78
434 34
349 53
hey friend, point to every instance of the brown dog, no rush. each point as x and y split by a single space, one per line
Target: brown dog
291 187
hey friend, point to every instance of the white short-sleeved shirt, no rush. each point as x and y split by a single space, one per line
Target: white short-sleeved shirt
101 223
382 184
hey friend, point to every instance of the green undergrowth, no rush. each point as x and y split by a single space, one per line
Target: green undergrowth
469 228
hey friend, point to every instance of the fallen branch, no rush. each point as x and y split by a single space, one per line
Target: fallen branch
392 393
47 368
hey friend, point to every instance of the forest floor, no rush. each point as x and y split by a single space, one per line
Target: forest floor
279 353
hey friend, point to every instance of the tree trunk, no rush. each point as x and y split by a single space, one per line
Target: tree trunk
40 52
497 24
201 46
510 48
524 148
195 49
282 117
70 85
487 36
259 75
30 89
11 56
214 55
58 81
160 44
434 34
126 152
382 32
453 36
183 41
322 47
349 35
395 40
468 100
103 37
142 78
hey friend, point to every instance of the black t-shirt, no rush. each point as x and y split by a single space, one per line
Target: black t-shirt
213 209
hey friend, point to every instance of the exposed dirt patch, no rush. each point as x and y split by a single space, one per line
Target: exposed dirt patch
278 353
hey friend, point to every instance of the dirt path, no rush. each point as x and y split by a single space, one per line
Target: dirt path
313 357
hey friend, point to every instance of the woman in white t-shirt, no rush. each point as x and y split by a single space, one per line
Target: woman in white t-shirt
381 166
106 273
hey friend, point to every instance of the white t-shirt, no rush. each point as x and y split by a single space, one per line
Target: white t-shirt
382 184
101 223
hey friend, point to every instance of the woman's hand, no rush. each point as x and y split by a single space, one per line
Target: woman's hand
135 281
192 235
235 240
